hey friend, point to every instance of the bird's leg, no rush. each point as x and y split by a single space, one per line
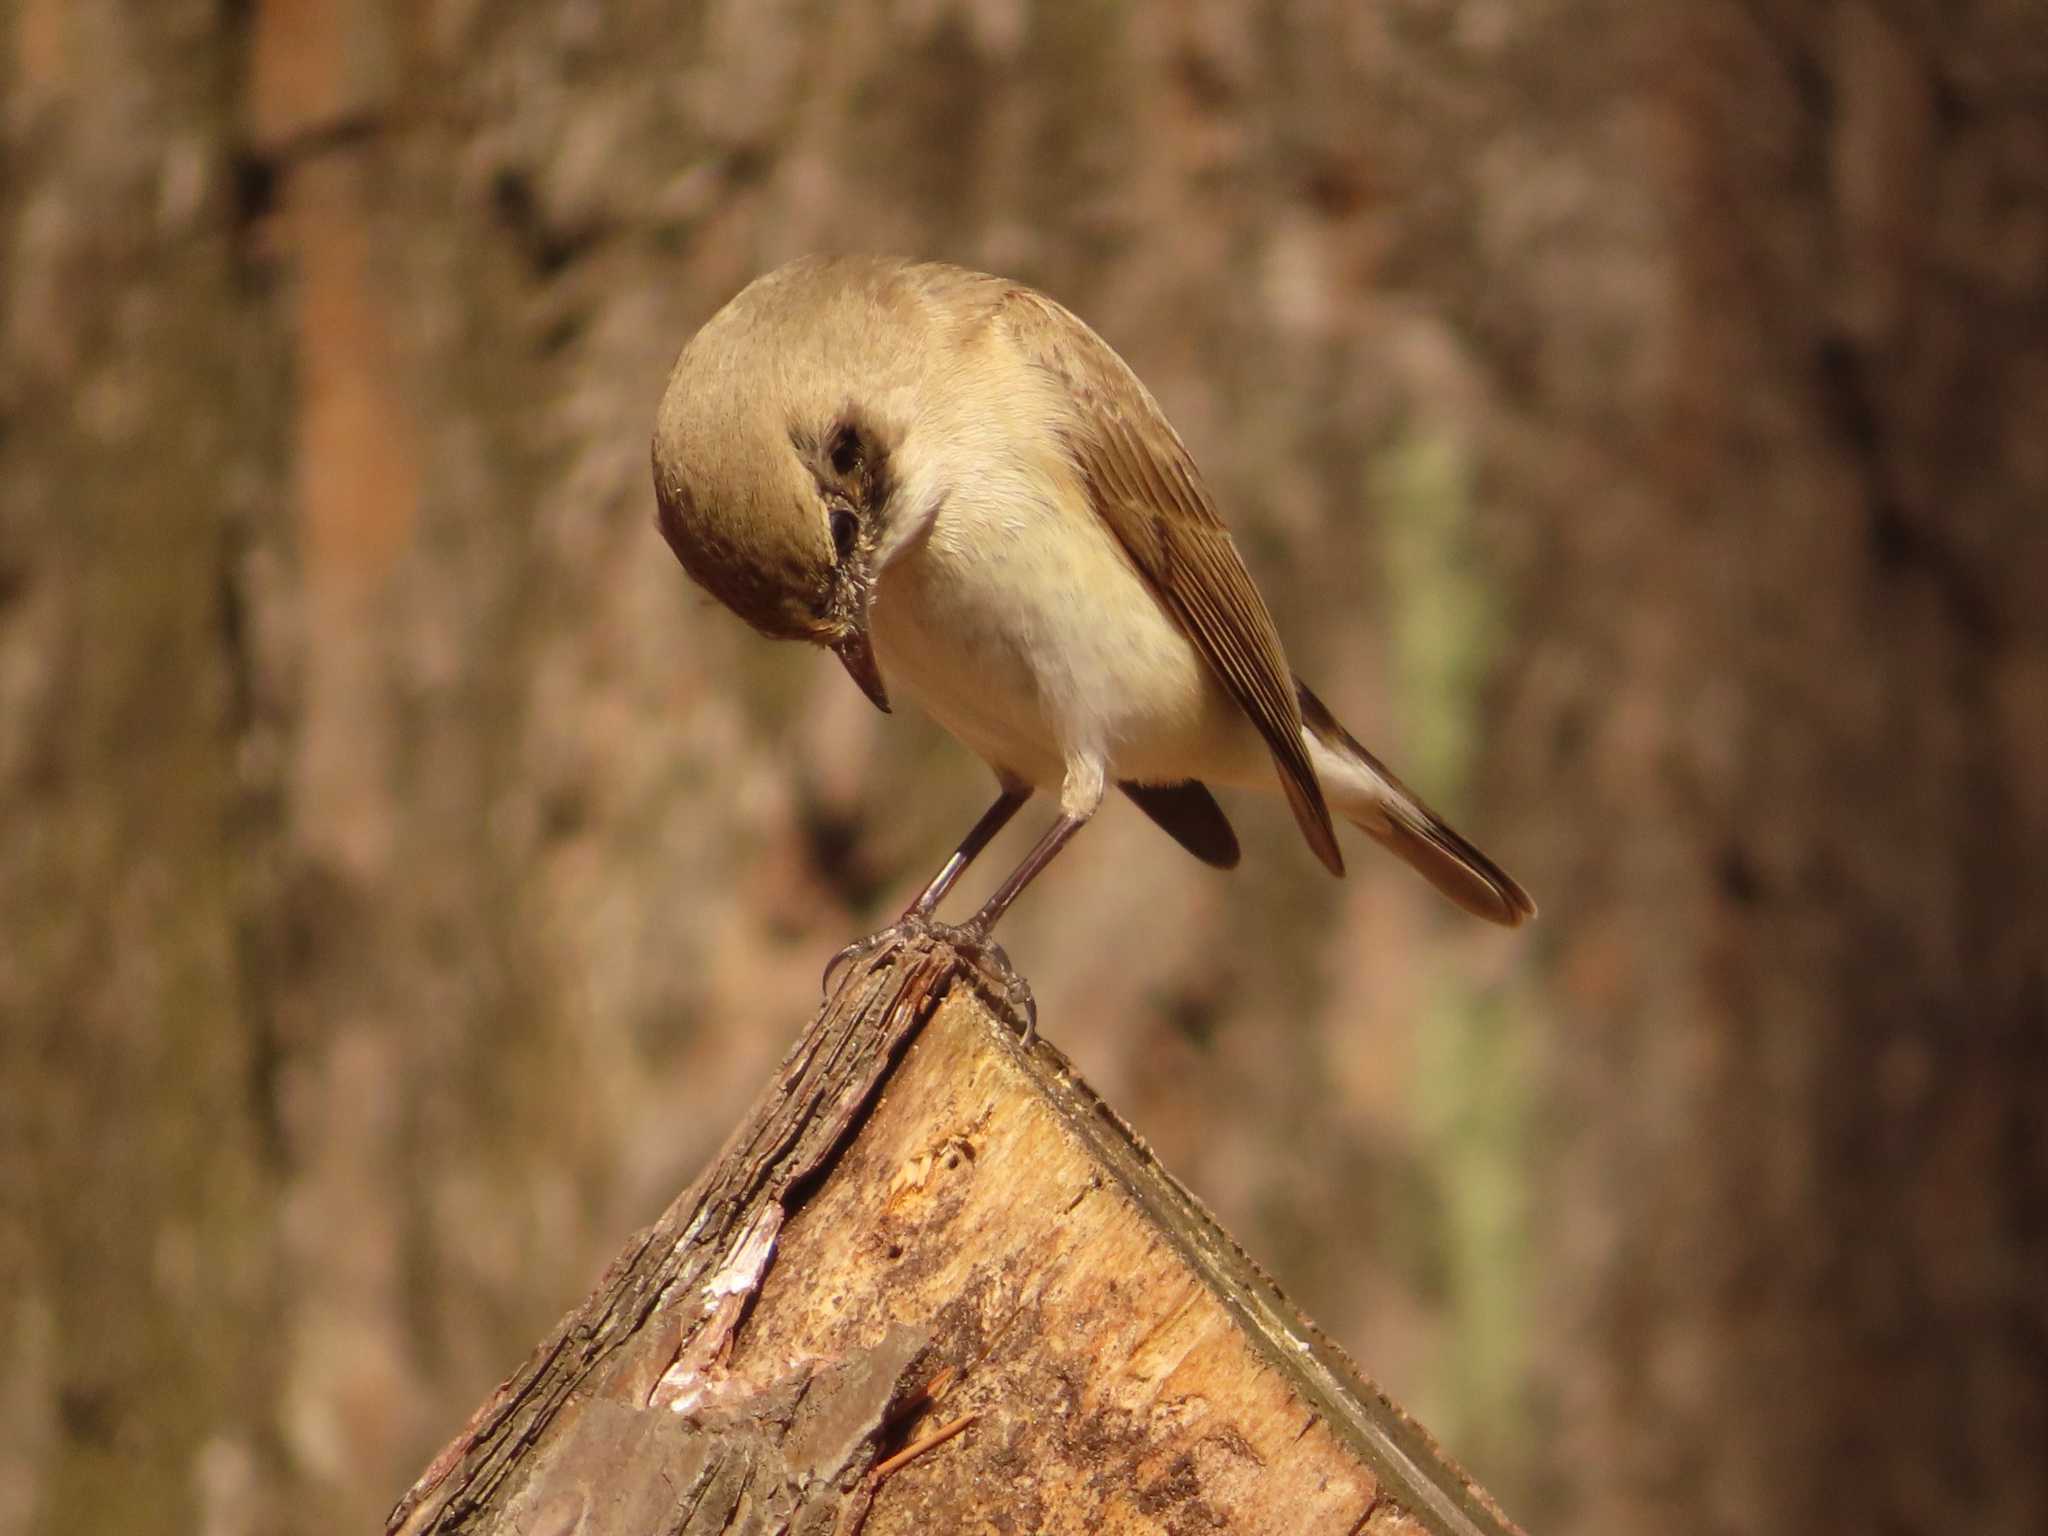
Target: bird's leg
993 820
1079 798
1041 854
918 913
973 935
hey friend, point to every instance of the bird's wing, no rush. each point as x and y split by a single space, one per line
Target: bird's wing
1146 488
1189 814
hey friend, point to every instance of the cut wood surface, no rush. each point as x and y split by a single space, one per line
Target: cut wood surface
933 1283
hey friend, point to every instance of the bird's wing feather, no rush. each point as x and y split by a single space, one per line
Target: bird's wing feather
1146 488
1189 814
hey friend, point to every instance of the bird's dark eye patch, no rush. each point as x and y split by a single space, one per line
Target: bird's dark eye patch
845 529
847 452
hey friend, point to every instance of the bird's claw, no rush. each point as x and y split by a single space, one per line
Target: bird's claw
860 949
999 977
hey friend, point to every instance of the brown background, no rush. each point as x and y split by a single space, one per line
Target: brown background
1637 414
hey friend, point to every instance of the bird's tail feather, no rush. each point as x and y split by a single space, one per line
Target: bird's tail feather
1365 792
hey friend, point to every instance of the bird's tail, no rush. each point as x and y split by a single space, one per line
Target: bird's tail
1365 792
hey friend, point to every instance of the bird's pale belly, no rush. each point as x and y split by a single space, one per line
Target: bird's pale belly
1039 653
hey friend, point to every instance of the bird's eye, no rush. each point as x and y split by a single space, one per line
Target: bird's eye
846 450
845 528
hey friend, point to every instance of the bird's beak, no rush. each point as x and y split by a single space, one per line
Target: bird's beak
853 593
857 654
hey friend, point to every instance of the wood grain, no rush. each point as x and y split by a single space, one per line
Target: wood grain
930 1236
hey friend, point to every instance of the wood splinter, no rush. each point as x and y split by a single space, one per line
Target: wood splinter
918 1447
744 1362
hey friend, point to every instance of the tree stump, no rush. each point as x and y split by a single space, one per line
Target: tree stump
932 1283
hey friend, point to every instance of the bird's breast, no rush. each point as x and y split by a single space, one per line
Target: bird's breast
1020 626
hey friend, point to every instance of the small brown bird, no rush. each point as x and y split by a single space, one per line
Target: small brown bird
959 489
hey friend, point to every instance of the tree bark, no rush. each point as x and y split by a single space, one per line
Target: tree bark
1797 1044
934 1283
1632 413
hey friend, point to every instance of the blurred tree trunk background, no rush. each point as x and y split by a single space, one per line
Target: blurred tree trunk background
1638 416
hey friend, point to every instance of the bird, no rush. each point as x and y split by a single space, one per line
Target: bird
952 483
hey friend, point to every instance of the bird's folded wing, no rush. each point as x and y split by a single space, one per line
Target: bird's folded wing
1145 486
1189 814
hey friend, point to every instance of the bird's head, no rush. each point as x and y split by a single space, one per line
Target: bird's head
773 453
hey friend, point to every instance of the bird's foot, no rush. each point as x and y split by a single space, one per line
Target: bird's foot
862 949
999 978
